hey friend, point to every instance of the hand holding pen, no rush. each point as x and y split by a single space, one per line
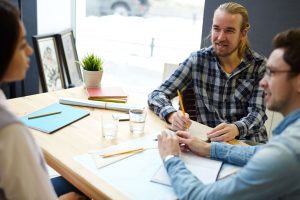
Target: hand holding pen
179 121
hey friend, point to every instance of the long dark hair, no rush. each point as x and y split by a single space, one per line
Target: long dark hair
9 34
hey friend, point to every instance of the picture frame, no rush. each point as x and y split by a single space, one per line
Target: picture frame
49 63
69 57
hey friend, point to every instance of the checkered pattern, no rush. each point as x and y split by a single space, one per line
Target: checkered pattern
235 98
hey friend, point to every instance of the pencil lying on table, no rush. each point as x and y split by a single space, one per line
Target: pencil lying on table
44 115
123 152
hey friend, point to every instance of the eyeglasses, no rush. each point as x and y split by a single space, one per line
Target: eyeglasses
272 72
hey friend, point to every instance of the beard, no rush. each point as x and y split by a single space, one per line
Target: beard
276 105
225 52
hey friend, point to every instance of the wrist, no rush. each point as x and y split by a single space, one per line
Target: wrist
170 118
240 128
207 149
237 131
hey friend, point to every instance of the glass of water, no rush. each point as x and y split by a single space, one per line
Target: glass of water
109 126
137 117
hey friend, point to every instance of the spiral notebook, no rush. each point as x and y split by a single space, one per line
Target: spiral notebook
51 123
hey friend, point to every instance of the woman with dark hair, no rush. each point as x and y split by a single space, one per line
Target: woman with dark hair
23 173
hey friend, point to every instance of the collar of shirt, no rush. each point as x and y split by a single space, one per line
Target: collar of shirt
247 60
289 119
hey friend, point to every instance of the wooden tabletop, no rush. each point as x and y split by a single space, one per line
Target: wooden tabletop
80 137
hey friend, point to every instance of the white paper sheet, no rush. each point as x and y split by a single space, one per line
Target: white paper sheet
199 130
132 175
204 169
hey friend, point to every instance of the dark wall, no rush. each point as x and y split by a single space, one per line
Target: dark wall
30 85
267 17
29 17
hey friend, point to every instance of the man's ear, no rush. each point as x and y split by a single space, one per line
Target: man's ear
244 32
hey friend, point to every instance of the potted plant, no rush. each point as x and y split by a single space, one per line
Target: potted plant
92 70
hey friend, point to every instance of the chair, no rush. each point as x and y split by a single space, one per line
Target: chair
188 94
273 120
169 69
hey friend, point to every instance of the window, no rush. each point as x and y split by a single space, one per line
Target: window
136 37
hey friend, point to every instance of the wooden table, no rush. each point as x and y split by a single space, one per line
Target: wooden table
79 138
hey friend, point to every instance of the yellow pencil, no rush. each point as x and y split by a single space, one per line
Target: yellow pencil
181 105
123 152
44 115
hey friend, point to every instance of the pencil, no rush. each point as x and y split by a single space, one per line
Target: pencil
44 115
123 152
181 105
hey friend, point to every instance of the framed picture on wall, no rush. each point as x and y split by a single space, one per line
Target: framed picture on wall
69 57
49 64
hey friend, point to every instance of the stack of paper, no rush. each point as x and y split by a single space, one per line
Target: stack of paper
107 94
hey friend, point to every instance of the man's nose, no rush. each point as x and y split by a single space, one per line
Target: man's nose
263 82
221 35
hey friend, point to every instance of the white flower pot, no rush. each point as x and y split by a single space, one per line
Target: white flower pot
92 78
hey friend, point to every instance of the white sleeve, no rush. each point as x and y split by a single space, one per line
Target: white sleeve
22 172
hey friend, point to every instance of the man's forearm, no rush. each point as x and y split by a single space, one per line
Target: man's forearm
234 154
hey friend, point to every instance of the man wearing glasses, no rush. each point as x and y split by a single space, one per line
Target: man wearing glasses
270 171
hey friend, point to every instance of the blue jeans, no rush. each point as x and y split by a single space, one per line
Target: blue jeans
62 186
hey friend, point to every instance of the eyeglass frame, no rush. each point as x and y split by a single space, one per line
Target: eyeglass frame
271 72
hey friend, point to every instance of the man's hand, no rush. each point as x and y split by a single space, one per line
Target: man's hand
168 144
193 144
178 121
223 133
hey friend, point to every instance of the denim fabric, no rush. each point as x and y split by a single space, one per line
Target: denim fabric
271 171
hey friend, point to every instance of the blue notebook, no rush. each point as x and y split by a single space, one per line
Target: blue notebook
51 123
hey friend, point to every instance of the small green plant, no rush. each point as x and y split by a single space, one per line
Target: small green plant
92 62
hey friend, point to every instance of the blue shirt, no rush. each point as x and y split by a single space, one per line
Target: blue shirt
236 98
271 171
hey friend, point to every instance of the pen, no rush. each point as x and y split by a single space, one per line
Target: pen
44 115
181 105
123 152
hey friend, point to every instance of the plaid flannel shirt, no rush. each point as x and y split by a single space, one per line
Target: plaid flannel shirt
236 98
